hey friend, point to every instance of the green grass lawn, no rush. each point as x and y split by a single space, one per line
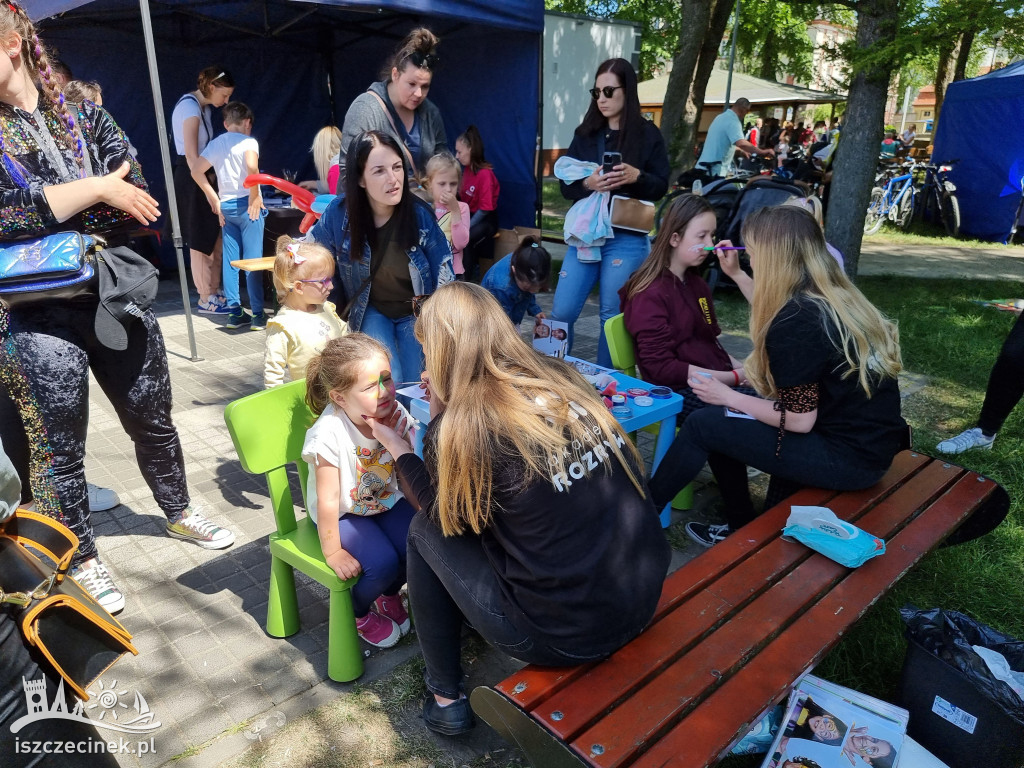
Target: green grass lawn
954 343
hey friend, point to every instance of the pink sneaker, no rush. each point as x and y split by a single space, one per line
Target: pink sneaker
378 630
391 607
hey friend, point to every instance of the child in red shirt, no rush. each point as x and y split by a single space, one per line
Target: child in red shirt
479 191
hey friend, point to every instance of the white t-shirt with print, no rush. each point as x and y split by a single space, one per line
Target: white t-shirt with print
368 482
226 154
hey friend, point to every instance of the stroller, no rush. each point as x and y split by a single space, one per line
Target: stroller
758 193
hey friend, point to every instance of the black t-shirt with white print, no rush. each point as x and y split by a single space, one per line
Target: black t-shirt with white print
869 429
580 559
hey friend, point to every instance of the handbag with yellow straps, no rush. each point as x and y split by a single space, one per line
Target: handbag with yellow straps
56 615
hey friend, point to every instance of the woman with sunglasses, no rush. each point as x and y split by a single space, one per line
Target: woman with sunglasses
612 124
398 104
537 526
388 248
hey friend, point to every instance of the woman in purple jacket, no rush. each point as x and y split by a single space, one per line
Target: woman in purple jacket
668 308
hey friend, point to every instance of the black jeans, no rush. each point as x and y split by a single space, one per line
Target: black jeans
730 445
451 578
17 664
1005 383
45 358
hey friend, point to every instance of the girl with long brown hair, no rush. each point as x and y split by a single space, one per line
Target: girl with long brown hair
825 361
668 307
537 525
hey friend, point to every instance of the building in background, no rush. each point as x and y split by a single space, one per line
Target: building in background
574 46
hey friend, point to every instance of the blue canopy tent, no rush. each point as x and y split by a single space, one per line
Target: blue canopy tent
976 127
300 63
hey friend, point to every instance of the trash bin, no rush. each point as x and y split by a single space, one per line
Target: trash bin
958 709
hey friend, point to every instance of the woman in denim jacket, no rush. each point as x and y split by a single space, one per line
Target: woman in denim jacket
388 247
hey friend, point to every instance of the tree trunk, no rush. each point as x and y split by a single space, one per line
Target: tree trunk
949 52
963 55
857 154
674 118
687 136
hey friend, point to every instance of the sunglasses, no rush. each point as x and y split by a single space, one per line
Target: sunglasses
424 60
418 302
323 282
608 91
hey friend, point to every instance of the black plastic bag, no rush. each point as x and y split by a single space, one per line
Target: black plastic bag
949 635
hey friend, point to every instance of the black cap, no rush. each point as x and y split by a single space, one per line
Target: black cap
128 285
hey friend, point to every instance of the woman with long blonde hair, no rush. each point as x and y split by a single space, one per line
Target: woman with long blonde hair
825 360
538 527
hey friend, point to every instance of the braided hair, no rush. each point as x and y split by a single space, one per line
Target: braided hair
13 18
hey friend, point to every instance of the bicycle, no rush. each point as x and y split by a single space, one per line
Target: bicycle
894 201
938 197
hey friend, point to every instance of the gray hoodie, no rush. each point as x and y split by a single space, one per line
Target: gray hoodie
366 114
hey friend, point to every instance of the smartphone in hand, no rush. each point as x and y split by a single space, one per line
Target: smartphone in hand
610 160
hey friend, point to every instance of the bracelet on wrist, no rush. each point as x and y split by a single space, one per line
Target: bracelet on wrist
736 376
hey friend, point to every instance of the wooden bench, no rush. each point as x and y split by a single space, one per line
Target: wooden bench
735 628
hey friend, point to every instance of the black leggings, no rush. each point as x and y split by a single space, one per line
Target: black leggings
18 665
731 445
46 352
481 235
1006 382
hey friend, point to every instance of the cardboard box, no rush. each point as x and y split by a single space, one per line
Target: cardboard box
506 241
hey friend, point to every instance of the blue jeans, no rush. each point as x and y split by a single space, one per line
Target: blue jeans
397 336
378 543
242 234
620 258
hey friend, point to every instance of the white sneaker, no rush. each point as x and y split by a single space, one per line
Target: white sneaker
95 579
195 527
101 499
965 441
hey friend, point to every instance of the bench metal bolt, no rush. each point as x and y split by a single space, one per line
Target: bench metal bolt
597 749
557 715
520 687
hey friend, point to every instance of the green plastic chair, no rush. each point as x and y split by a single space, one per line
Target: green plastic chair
268 429
623 354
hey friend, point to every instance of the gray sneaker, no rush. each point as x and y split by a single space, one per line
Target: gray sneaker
94 578
195 527
965 441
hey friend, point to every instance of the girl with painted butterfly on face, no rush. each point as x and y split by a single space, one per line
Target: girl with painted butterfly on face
303 276
68 168
361 514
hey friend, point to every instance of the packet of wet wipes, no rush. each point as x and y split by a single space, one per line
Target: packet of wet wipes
820 529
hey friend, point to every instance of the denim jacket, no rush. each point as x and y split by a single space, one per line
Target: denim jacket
430 262
503 287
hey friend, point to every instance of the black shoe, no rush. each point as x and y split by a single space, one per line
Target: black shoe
707 535
452 720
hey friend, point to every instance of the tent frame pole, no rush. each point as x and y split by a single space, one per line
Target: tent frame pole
165 156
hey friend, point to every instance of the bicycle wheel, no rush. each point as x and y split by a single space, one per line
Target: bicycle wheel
931 209
951 214
875 215
905 212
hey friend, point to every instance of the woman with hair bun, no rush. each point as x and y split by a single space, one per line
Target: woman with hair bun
398 104
192 123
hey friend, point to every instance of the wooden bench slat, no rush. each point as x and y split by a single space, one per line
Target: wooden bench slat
571 709
767 677
681 684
